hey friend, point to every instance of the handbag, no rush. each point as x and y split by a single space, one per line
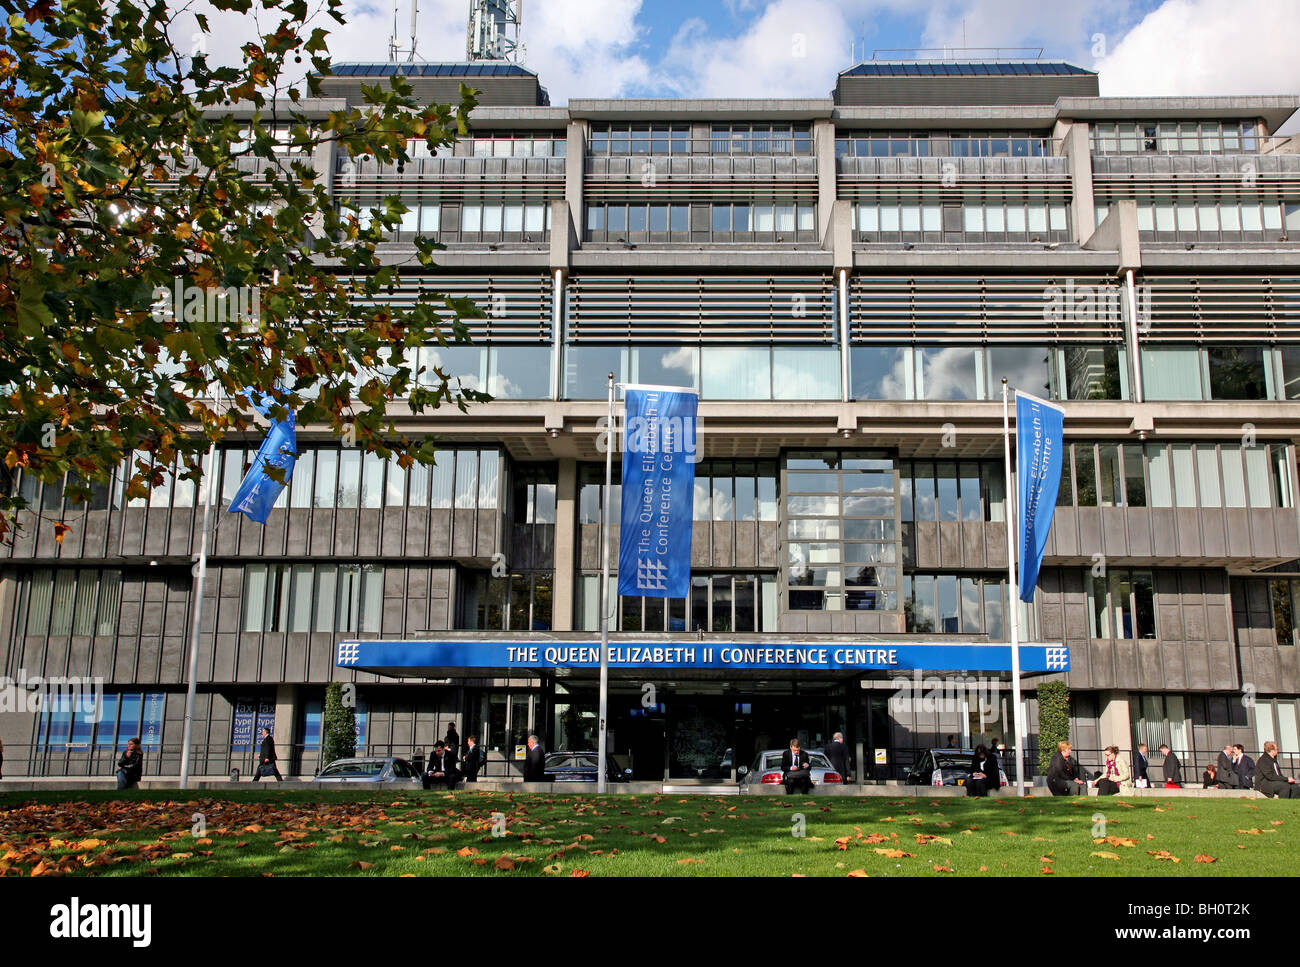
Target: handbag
266 769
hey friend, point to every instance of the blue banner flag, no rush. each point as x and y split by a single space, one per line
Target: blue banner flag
659 454
258 492
1040 454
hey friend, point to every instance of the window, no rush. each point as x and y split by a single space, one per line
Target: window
1121 604
84 719
1171 372
302 598
1237 373
72 601
952 604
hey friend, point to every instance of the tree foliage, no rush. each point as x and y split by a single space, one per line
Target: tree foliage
129 168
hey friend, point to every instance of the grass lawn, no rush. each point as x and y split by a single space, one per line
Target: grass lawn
441 834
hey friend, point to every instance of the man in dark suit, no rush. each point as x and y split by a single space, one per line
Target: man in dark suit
1245 767
1140 767
266 758
535 761
442 766
1271 780
473 759
1173 768
452 739
796 769
1226 769
838 753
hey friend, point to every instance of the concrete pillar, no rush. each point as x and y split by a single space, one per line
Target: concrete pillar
1074 143
823 133
1114 725
575 169
286 715
566 533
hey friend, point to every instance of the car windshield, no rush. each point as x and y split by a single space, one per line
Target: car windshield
352 770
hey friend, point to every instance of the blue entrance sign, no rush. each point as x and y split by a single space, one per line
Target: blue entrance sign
410 657
1040 456
654 546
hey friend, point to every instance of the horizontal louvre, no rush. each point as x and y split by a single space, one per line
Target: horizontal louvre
1249 177
985 308
700 178
518 307
681 309
954 179
451 179
1220 308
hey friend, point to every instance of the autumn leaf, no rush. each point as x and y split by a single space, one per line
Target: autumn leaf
467 851
689 859
1163 854
843 842
943 869
1204 858
894 854
1117 841
504 863
360 865
553 869
577 872
1105 855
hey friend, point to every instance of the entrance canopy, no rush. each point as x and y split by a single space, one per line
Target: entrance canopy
448 657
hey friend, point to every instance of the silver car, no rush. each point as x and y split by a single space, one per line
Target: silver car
368 770
767 769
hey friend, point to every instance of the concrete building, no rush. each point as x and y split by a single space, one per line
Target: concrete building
846 281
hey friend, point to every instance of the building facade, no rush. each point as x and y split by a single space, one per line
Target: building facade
846 281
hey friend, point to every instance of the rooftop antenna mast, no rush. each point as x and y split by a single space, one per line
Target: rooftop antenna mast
495 30
393 48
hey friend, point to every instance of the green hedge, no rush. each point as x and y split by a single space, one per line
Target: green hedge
338 726
1053 720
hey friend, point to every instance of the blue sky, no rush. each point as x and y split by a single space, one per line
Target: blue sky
794 48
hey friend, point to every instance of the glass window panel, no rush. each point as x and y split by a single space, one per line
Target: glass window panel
1024 367
636 218
1135 487
1207 473
767 493
703 497
1234 482
736 373
879 372
805 373
1016 219
520 372
254 602
110 592
1085 472
1037 217
471 218
1230 217
995 218
466 479
1272 217
1237 373
664 366
746 504
823 506
349 487
911 218
868 218
971 622
1108 467
488 479
1171 373
327 463
1257 478
924 492
993 611
946 490
740 218
1184 475
586 370
514 218
300 599
1250 218
948 373
972 218
969 491
723 499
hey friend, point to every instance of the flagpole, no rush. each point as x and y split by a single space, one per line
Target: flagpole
604 592
1012 595
200 576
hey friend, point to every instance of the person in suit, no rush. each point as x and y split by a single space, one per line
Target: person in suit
266 758
796 769
838 753
1271 780
1173 768
1140 778
1225 768
442 766
535 761
473 759
1063 776
452 739
981 780
130 767
993 769
1115 775
1244 766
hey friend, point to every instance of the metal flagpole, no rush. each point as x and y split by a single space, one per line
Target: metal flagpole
604 591
200 576
1013 596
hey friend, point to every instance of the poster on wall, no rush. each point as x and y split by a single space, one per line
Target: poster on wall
241 729
151 726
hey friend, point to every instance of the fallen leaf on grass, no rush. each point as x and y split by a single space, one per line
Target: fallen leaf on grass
1163 854
894 854
1105 855
1203 858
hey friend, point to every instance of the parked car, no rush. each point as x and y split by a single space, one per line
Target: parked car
767 769
582 767
945 767
366 770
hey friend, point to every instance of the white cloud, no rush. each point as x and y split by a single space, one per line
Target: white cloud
1207 47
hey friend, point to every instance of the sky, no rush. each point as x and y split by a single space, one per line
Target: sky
794 48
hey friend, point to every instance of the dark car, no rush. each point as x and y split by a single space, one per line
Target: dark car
944 767
582 767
